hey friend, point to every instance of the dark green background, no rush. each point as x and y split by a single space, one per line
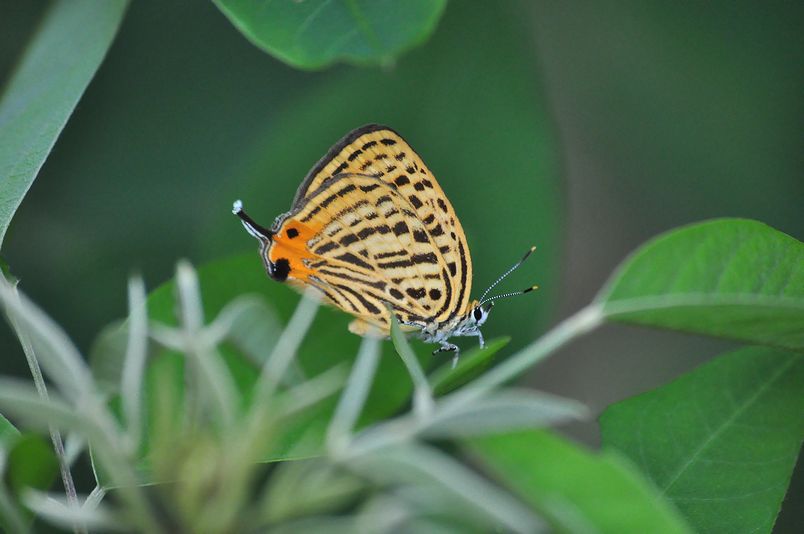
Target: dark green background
581 127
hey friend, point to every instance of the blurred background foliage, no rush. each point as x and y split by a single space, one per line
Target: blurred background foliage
584 128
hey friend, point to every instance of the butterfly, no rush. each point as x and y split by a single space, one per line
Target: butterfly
371 229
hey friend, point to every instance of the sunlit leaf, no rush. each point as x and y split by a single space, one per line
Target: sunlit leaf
721 441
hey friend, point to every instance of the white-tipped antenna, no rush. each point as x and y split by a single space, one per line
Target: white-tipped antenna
251 227
506 273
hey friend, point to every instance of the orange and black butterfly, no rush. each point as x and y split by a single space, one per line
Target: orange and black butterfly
372 230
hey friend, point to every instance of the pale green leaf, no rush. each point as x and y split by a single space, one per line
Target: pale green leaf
42 93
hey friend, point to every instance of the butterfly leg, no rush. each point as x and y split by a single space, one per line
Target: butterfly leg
449 347
481 340
420 326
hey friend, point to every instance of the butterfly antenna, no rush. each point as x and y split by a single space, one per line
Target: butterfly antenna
251 227
506 273
512 294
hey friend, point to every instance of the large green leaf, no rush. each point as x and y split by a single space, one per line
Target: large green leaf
576 490
733 278
44 90
721 441
317 33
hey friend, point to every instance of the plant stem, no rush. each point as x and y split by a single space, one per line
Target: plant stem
55 435
134 362
406 427
574 326
422 393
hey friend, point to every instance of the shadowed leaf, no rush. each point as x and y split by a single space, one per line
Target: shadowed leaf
317 33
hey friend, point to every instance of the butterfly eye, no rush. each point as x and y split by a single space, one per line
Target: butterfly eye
280 270
478 313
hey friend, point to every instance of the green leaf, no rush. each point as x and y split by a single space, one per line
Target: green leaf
316 33
26 461
732 278
8 432
31 464
576 490
50 79
721 441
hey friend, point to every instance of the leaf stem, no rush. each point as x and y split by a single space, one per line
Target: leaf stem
209 381
422 392
134 363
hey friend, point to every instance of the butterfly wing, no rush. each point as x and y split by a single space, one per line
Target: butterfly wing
361 243
378 151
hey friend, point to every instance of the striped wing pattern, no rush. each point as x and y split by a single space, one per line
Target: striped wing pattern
379 152
363 245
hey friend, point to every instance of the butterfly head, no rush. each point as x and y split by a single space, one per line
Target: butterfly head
278 269
480 312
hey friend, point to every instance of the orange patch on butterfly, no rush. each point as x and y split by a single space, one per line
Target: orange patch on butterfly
290 243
